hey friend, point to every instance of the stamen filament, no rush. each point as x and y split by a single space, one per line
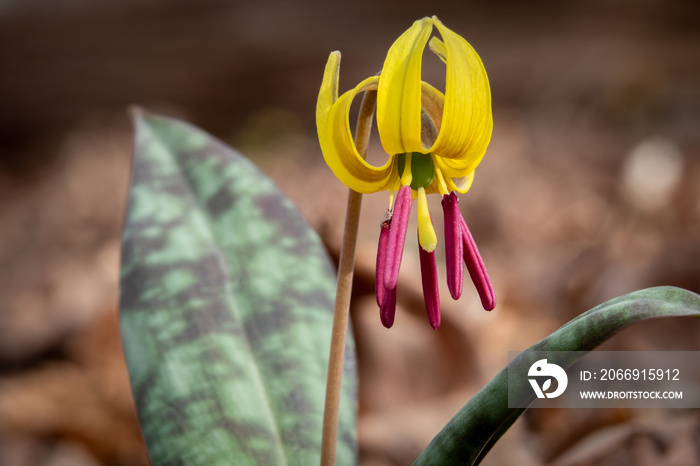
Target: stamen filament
477 269
454 249
442 186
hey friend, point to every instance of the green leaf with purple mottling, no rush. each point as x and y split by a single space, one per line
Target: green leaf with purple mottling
471 433
226 309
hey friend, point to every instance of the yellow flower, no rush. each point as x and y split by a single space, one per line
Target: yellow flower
433 141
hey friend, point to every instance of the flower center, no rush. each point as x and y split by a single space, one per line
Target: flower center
422 169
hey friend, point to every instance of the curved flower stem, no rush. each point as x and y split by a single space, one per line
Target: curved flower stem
346 268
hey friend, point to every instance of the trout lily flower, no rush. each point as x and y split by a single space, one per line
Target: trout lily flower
434 142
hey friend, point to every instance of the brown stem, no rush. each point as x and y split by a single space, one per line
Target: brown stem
341 317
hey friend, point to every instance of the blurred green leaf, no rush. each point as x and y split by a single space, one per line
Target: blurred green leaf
226 309
471 433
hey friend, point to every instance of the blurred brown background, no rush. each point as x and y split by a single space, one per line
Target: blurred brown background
589 190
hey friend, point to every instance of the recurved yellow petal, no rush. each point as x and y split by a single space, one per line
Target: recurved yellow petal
461 184
335 138
466 119
455 179
432 102
399 91
329 89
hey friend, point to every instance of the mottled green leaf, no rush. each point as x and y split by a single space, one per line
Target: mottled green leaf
226 309
469 436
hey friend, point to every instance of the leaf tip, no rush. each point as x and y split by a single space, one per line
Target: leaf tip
136 112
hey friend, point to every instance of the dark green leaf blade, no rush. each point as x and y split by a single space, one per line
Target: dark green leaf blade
472 432
226 309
